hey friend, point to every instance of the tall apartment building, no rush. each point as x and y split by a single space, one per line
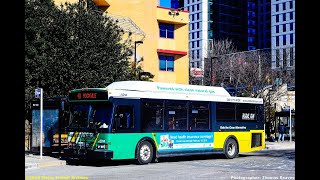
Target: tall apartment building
163 32
283 34
264 24
220 19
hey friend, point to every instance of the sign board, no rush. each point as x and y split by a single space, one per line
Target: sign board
88 95
196 72
37 93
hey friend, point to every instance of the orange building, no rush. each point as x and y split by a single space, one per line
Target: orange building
163 32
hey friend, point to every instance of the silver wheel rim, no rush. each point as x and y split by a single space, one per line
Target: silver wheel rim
145 152
231 149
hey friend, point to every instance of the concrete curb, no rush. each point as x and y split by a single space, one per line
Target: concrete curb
35 165
43 165
280 146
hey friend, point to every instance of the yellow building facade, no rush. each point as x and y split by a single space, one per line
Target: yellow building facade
164 33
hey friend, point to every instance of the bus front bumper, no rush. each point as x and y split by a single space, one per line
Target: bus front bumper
88 154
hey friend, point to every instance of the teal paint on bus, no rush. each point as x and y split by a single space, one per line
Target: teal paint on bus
124 145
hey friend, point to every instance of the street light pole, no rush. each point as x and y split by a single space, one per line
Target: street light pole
135 55
211 71
290 130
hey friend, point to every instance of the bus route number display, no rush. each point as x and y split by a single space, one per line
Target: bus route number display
88 96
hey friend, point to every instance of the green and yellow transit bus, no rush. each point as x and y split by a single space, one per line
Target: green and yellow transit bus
147 120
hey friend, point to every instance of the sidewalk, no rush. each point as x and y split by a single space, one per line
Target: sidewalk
280 145
34 161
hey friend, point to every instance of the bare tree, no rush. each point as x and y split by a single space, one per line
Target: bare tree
216 66
251 70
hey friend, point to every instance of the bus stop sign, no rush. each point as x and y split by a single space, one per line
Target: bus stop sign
37 93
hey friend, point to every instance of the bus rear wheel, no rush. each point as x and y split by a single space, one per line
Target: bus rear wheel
144 153
231 149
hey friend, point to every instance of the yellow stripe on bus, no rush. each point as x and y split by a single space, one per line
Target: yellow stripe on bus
243 138
95 141
155 140
73 139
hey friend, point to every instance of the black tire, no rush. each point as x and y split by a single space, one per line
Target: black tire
71 162
231 149
144 153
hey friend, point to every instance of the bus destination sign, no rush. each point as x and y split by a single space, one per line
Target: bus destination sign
88 95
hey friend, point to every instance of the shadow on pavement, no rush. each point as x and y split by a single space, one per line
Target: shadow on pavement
287 153
131 162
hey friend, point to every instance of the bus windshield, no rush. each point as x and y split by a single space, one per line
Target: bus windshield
90 115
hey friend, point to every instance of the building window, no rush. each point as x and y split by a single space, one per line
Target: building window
198 64
198 16
291 15
192 17
192 26
284 6
192 54
192 44
291 26
198 45
166 30
284 28
277 29
277 7
284 59
174 4
198 7
277 40
291 38
166 63
291 4
198 34
284 40
198 25
284 16
277 18
193 8
291 56
277 57
198 53
192 64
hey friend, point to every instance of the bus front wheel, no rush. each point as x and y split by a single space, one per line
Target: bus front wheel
231 149
144 153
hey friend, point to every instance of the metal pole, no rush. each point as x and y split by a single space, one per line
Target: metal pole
290 123
41 120
211 71
135 57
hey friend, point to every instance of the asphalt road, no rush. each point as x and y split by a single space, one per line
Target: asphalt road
265 164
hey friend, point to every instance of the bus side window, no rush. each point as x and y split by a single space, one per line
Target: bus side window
200 116
124 117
